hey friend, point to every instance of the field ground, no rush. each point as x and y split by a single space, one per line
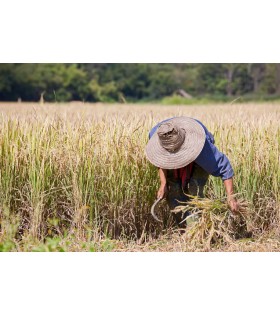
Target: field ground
74 177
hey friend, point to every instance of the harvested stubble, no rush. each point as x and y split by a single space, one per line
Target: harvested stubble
81 170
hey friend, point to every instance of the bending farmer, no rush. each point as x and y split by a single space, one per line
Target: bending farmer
184 151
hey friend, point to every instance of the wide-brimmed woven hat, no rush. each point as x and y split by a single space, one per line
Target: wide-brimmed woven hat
176 143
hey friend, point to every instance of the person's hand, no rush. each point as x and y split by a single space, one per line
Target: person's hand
234 205
162 191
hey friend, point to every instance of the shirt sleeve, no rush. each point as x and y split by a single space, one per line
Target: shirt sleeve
153 130
213 161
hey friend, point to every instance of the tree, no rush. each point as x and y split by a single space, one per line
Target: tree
257 72
6 81
132 82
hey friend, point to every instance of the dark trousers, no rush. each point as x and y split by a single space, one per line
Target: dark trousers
177 194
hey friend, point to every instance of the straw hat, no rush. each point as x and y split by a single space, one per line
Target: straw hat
176 143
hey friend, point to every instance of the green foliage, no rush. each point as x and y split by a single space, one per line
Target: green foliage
50 245
7 246
134 82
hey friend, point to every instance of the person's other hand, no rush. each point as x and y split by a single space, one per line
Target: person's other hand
234 206
162 191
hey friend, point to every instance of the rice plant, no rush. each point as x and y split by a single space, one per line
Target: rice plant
79 171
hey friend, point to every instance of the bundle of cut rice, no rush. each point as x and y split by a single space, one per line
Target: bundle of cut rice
211 222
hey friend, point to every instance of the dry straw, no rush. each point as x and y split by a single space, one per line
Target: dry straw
210 221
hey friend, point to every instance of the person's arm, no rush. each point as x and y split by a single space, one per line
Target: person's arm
230 195
163 187
217 164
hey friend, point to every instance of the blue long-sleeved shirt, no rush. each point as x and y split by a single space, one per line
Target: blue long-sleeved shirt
210 158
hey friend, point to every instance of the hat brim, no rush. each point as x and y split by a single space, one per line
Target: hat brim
190 149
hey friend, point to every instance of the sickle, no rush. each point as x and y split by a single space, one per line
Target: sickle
153 209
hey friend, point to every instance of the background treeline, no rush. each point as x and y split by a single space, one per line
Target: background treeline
136 82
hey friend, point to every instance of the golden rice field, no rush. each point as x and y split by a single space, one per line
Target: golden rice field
74 177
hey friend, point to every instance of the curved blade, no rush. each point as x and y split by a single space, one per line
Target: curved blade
153 209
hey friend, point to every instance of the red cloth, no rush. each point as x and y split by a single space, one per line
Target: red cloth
184 173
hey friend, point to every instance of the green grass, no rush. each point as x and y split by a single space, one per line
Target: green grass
219 99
